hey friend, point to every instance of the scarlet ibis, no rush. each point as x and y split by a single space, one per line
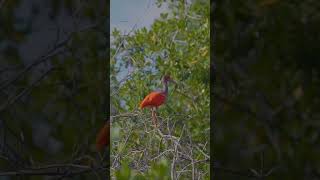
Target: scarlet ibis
157 98
103 137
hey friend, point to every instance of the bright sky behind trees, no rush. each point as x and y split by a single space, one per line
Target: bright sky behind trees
125 14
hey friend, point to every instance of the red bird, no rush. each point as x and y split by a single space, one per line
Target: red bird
156 98
103 137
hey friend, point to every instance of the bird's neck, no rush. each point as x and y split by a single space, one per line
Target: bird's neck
165 87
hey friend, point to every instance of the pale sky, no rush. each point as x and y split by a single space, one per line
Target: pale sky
140 12
124 14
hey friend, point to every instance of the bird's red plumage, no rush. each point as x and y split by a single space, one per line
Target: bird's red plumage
154 99
103 137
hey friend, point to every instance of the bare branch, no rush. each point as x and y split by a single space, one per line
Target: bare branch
57 49
26 90
55 170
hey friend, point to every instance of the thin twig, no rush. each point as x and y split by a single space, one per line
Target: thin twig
54 170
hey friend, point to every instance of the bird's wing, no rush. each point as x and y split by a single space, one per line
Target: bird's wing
154 95
149 99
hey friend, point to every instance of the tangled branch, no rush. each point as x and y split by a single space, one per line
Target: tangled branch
184 154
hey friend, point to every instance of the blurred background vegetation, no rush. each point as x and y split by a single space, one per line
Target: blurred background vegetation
266 96
177 43
53 88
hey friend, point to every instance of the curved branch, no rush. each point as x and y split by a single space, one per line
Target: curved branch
68 170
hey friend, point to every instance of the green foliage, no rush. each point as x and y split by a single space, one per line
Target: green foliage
177 44
158 171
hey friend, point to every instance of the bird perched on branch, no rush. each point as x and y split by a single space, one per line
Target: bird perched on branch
103 137
157 98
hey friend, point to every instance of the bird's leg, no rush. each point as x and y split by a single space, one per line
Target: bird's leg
152 114
154 117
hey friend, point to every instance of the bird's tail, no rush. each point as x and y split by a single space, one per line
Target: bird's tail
142 105
103 137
